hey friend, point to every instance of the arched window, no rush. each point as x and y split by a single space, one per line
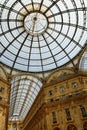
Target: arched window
83 62
71 127
85 126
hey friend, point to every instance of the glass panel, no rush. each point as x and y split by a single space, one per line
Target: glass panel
24 90
83 62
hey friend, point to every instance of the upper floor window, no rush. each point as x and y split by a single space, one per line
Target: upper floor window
54 117
74 85
50 92
68 115
1 89
62 89
83 110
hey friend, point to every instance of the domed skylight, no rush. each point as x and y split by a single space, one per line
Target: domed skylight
24 90
83 62
41 35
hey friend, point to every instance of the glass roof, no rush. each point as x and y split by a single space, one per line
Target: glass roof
83 62
41 35
24 90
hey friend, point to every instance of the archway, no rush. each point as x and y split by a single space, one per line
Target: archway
85 126
71 127
56 128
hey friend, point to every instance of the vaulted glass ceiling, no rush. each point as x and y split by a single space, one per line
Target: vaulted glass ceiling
83 62
24 90
41 35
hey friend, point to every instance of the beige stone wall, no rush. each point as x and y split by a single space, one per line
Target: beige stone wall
75 112
55 100
9 126
2 118
4 101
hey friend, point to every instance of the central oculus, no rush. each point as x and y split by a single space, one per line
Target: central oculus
35 23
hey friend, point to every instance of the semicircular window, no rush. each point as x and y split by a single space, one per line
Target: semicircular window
24 90
41 35
83 62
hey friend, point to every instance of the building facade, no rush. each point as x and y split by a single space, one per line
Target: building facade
61 104
4 99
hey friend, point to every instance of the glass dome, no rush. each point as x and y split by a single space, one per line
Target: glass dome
41 35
